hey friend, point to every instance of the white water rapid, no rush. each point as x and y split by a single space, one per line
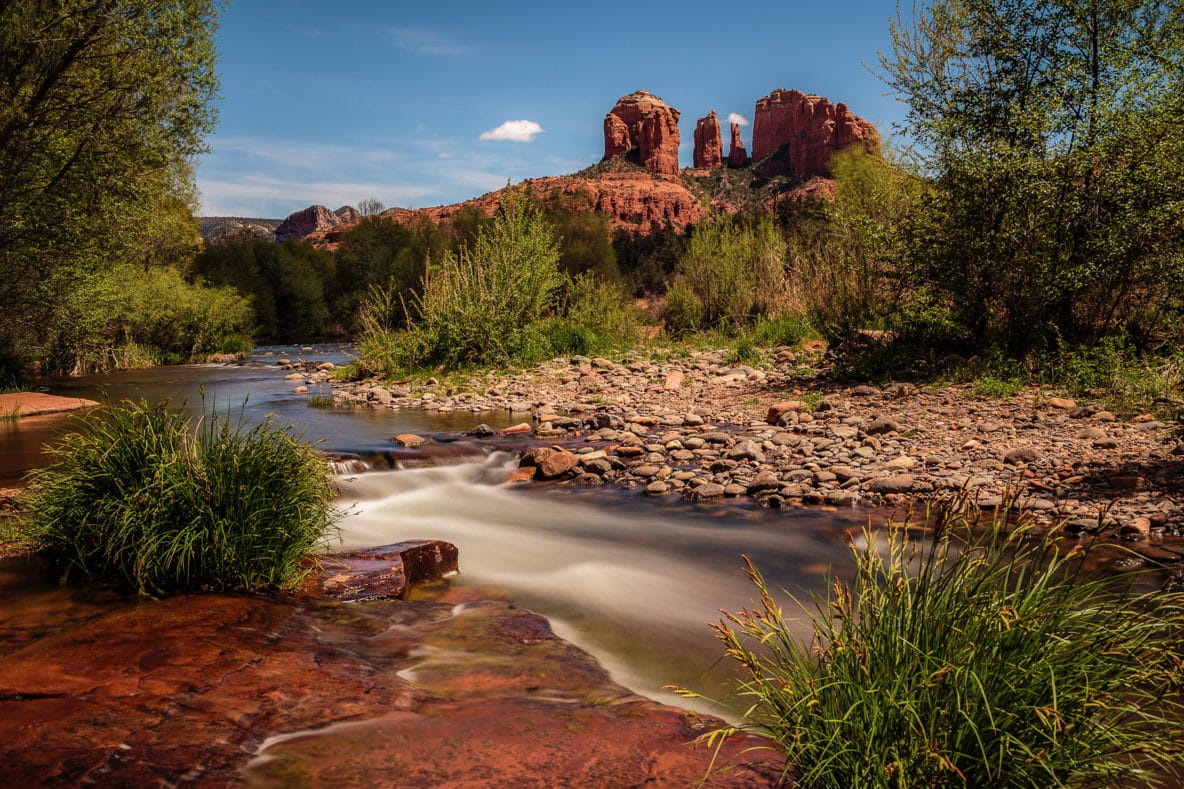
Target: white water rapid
632 582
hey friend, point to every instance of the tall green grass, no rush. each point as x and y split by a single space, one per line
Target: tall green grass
984 657
141 497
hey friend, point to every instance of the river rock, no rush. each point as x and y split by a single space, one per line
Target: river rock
549 462
900 483
704 492
747 450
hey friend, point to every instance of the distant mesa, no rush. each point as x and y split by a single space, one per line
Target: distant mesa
637 184
795 134
709 148
219 229
643 129
313 219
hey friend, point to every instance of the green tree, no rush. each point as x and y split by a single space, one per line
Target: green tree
1054 131
102 104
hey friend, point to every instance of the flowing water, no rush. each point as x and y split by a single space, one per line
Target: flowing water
632 580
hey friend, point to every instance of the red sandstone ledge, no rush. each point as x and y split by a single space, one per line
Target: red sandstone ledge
37 403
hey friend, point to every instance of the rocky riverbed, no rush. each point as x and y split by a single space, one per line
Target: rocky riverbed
697 428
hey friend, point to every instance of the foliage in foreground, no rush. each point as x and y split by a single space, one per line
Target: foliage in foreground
142 497
980 658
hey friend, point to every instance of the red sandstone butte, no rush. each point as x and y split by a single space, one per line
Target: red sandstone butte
314 219
643 125
634 202
737 153
709 148
795 134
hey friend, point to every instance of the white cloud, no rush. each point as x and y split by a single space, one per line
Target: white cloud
515 131
426 42
735 117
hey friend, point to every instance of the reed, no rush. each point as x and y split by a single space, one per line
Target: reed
985 657
144 498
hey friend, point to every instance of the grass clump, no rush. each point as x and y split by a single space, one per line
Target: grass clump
980 658
141 497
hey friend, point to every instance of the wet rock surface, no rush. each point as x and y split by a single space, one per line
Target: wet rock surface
388 571
777 434
215 690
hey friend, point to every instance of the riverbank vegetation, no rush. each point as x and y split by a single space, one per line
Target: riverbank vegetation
985 656
102 108
145 499
502 300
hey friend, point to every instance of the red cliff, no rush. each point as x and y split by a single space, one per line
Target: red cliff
737 154
795 134
644 129
709 148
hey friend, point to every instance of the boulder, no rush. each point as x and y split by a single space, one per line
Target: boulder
549 463
388 571
795 134
644 129
777 411
708 145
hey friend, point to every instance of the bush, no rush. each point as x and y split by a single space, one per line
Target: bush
980 658
475 302
735 272
141 497
131 317
844 251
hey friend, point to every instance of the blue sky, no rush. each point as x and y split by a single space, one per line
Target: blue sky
389 100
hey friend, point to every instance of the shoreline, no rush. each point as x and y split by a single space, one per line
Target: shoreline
782 436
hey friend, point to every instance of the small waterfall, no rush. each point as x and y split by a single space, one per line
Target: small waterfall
633 582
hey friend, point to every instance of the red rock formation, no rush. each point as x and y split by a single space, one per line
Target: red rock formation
304 223
645 129
634 202
709 148
796 134
737 154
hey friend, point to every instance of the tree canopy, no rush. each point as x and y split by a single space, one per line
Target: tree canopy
102 105
1054 131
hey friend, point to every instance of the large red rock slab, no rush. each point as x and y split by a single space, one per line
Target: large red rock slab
521 743
215 690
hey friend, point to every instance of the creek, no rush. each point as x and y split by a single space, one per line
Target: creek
634 581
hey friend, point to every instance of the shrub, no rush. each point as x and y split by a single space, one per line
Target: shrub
734 271
980 658
844 251
475 302
141 497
